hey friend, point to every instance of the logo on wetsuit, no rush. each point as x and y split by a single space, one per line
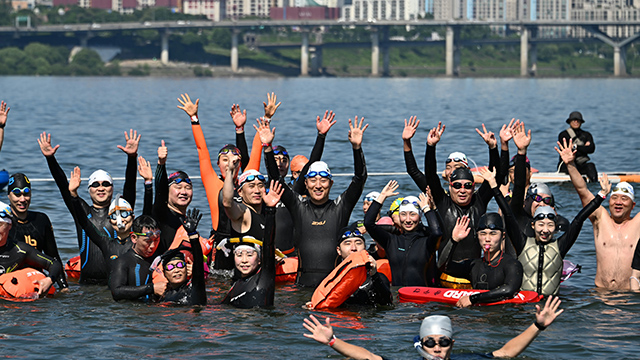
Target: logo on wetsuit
318 223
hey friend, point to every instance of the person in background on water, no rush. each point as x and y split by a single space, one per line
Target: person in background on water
212 182
436 336
131 277
18 255
497 271
615 232
255 261
409 253
582 143
318 220
93 267
180 289
31 227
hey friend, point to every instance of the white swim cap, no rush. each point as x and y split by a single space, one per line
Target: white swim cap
410 204
5 213
318 167
624 189
458 157
100 175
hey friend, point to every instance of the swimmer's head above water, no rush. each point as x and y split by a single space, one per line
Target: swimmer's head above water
100 187
461 186
544 223
318 181
121 214
435 340
621 201
454 161
409 213
180 190
538 194
490 232
19 193
228 153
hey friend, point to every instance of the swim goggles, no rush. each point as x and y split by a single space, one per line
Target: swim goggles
123 214
226 150
617 188
179 180
251 178
456 159
26 191
407 202
179 265
280 152
431 342
151 234
97 184
369 198
247 252
5 215
459 185
547 200
354 233
550 216
323 174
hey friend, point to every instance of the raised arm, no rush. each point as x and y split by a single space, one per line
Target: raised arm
235 210
484 192
266 138
56 171
131 149
324 335
198 289
239 118
160 205
323 125
544 318
268 267
144 169
4 112
506 134
376 231
431 165
409 131
460 231
567 154
522 140
353 192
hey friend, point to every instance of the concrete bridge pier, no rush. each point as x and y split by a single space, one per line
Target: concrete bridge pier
524 51
84 39
619 49
315 53
385 51
375 52
234 50
452 52
164 52
304 54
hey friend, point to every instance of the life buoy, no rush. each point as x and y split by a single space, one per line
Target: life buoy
18 285
72 268
343 281
384 268
422 295
287 270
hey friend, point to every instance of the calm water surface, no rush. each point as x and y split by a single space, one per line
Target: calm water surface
87 116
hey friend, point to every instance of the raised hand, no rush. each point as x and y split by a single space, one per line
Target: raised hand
189 107
45 145
605 184
521 137
270 106
435 134
488 137
410 127
388 190
74 181
319 332
550 312
238 116
356 130
461 230
4 112
566 152
272 198
506 131
266 134
132 142
424 201
489 176
163 152
191 220
326 123
144 169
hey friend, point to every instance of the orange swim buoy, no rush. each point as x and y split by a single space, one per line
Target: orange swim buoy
182 238
18 285
72 268
343 281
384 268
287 270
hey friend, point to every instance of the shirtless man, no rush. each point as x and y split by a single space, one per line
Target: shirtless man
615 232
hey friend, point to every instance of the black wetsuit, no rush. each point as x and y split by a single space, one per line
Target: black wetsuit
37 231
374 290
258 289
17 255
131 278
192 292
582 153
221 261
408 253
93 268
317 226
168 220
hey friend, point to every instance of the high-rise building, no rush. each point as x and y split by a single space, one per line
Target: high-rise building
370 10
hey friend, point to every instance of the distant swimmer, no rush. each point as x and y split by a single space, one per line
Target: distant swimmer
31 227
615 232
18 255
131 275
93 267
436 336
582 143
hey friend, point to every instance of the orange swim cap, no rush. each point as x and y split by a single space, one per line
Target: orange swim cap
298 162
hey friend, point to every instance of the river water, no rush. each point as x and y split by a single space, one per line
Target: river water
87 117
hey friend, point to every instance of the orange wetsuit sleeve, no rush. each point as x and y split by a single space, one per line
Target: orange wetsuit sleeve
212 184
256 154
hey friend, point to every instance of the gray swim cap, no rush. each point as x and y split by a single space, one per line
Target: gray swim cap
436 325
539 188
545 212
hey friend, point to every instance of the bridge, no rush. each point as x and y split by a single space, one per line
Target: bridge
379 30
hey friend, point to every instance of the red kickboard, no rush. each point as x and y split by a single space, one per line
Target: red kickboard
421 295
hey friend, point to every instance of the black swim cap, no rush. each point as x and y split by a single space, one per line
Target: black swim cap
280 150
492 221
350 231
461 174
512 162
173 178
18 180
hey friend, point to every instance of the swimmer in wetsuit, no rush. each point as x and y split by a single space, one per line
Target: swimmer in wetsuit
318 220
497 271
18 255
31 227
131 277
409 253
181 290
255 261
93 267
436 336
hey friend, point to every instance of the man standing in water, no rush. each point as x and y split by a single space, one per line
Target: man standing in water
615 232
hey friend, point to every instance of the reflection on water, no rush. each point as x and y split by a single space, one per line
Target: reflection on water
87 116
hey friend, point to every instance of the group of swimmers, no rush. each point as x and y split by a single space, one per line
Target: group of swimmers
261 221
